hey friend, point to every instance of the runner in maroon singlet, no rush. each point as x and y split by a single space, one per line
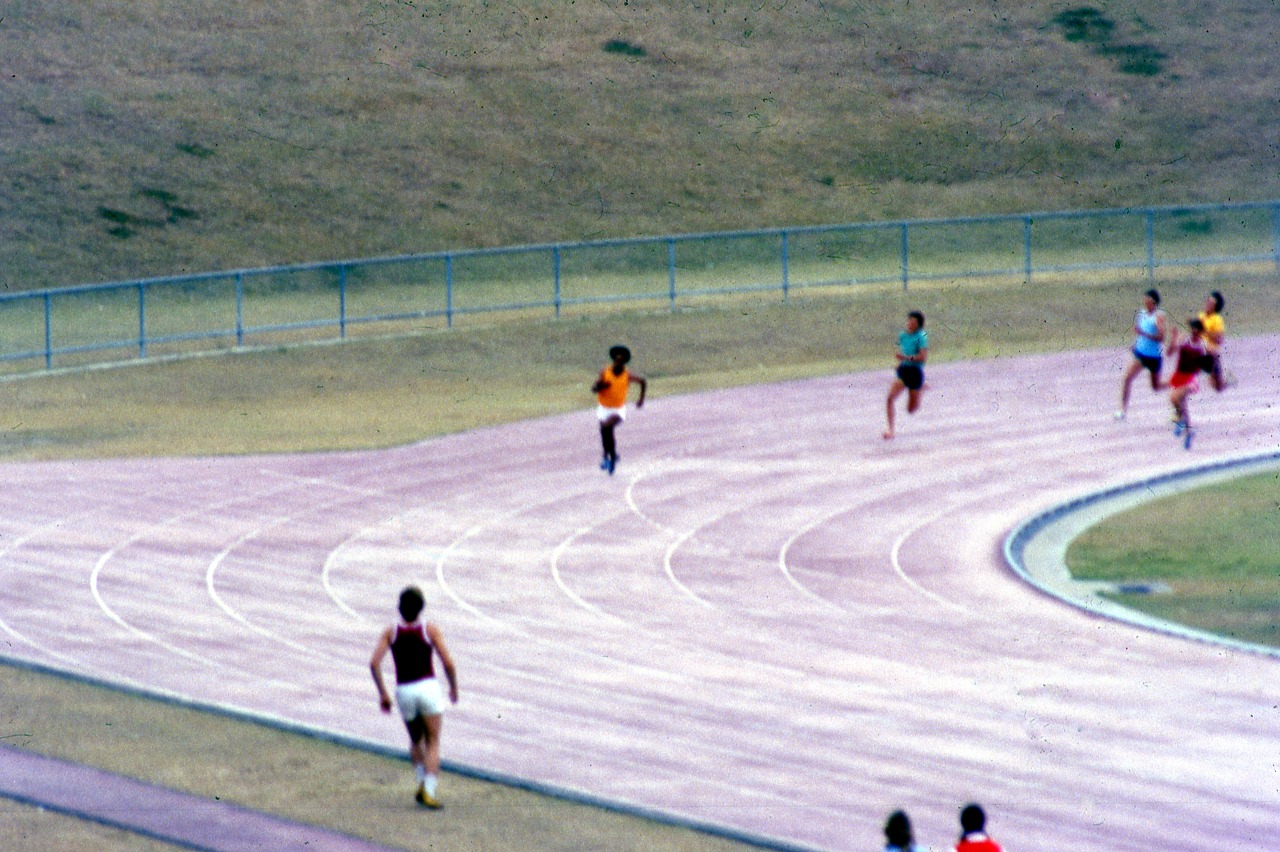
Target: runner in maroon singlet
414 644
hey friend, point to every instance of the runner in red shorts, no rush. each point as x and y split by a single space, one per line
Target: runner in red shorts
1183 382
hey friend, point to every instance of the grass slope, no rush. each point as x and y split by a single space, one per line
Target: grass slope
145 138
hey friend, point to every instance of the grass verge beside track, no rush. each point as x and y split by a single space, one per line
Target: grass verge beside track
297 777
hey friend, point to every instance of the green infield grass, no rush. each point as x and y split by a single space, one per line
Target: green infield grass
1217 549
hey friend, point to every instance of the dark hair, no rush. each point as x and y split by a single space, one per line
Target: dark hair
622 352
411 603
1194 324
1154 295
1218 301
972 818
897 830
919 317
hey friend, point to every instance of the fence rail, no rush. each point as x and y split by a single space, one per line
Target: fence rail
136 319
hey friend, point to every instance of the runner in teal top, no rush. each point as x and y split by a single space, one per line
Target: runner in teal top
911 344
913 351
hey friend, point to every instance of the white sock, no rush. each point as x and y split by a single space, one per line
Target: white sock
431 785
421 773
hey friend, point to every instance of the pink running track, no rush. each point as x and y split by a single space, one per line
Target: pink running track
769 620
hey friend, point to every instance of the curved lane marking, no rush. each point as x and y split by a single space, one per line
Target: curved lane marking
570 593
217 599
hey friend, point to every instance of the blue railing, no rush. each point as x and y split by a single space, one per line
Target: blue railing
136 319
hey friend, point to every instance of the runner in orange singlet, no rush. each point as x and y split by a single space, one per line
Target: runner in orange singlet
611 389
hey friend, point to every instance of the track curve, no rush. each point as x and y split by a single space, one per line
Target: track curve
770 619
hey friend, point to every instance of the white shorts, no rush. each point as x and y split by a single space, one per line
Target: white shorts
603 413
420 698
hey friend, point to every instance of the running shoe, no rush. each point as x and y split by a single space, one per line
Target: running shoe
1119 415
423 798
604 464
612 463
1178 426
1186 441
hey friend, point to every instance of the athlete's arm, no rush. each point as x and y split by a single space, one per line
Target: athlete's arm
375 668
644 388
450 671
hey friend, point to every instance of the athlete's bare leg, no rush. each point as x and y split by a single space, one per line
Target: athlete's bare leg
1126 385
895 390
431 744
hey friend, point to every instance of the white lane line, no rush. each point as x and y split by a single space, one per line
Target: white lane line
630 495
564 587
17 544
785 568
98 568
114 616
444 584
217 599
326 580
669 569
895 559
454 545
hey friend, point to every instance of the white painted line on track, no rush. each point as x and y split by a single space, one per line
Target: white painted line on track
630 495
10 547
895 559
448 589
110 554
217 599
453 546
670 571
136 631
786 548
573 596
322 481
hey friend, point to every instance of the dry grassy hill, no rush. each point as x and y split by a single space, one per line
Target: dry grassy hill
142 137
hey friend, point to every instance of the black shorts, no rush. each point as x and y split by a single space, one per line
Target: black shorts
911 375
1150 363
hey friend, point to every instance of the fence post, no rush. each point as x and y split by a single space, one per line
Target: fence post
48 330
448 291
786 266
142 320
239 309
342 302
671 272
1151 243
555 265
905 256
1026 249
1275 232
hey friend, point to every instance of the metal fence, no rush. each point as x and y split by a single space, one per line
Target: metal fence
219 310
